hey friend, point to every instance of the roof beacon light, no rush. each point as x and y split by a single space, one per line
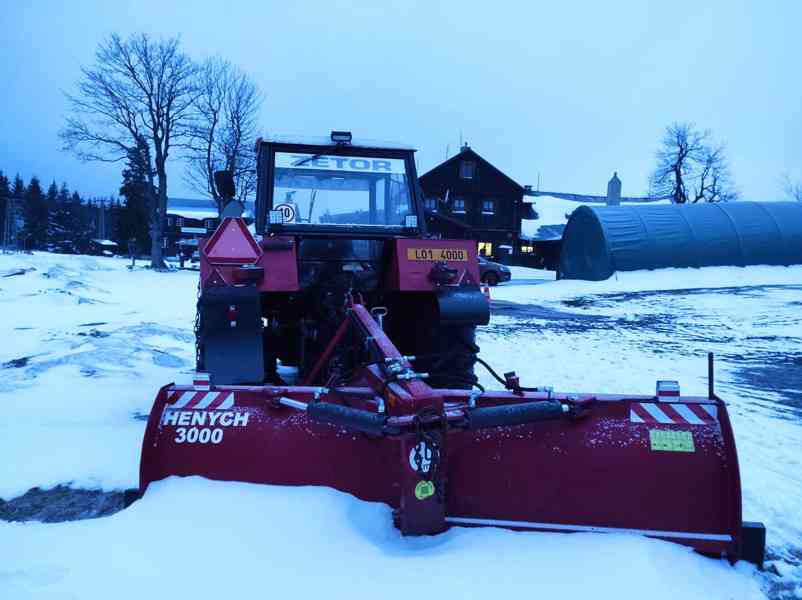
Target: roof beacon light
341 137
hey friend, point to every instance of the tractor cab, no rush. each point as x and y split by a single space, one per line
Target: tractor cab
339 187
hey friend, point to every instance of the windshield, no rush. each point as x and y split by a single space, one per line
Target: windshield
328 189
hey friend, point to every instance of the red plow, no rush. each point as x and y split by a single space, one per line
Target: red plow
342 282
663 466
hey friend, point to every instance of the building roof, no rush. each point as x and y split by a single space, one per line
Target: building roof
468 152
553 214
199 208
591 199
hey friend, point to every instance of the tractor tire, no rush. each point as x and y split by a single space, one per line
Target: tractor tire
490 279
455 352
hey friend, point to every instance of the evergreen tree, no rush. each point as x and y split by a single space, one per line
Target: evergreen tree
80 223
18 191
12 234
131 219
64 193
35 215
59 238
5 193
52 195
58 231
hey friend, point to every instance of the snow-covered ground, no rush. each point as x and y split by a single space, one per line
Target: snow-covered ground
89 342
194 538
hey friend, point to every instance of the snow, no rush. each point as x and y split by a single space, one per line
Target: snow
194 213
555 211
81 321
89 342
646 280
192 538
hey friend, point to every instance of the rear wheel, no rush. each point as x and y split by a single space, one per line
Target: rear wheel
446 352
451 356
490 279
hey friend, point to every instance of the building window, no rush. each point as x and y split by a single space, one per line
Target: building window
430 204
179 221
209 223
458 204
488 207
169 221
485 248
467 169
527 249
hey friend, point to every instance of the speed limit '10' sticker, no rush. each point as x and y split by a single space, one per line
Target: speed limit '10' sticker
287 212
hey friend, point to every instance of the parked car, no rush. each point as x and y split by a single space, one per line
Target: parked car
493 273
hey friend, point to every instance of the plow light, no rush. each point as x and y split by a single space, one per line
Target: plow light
341 137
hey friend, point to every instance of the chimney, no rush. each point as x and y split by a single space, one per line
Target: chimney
614 190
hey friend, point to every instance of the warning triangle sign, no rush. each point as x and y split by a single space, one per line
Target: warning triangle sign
232 243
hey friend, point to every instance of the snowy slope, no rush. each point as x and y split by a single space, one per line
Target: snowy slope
91 342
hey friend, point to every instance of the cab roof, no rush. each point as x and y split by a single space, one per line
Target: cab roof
320 140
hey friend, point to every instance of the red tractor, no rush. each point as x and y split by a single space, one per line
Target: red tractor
337 221
336 347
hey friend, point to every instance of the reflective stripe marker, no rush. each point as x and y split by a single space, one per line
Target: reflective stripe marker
687 414
710 409
672 414
679 535
207 400
657 414
227 403
183 399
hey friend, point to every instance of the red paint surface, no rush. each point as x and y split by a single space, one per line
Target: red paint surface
599 471
277 260
280 264
413 275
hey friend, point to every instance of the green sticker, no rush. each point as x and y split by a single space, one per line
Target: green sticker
424 490
671 441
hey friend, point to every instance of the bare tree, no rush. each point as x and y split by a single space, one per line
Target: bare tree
138 91
224 129
690 168
712 181
793 190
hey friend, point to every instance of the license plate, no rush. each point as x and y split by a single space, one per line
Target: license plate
432 254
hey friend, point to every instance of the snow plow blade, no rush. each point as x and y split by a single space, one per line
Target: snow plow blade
664 467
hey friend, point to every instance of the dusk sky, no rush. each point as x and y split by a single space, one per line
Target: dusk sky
569 90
